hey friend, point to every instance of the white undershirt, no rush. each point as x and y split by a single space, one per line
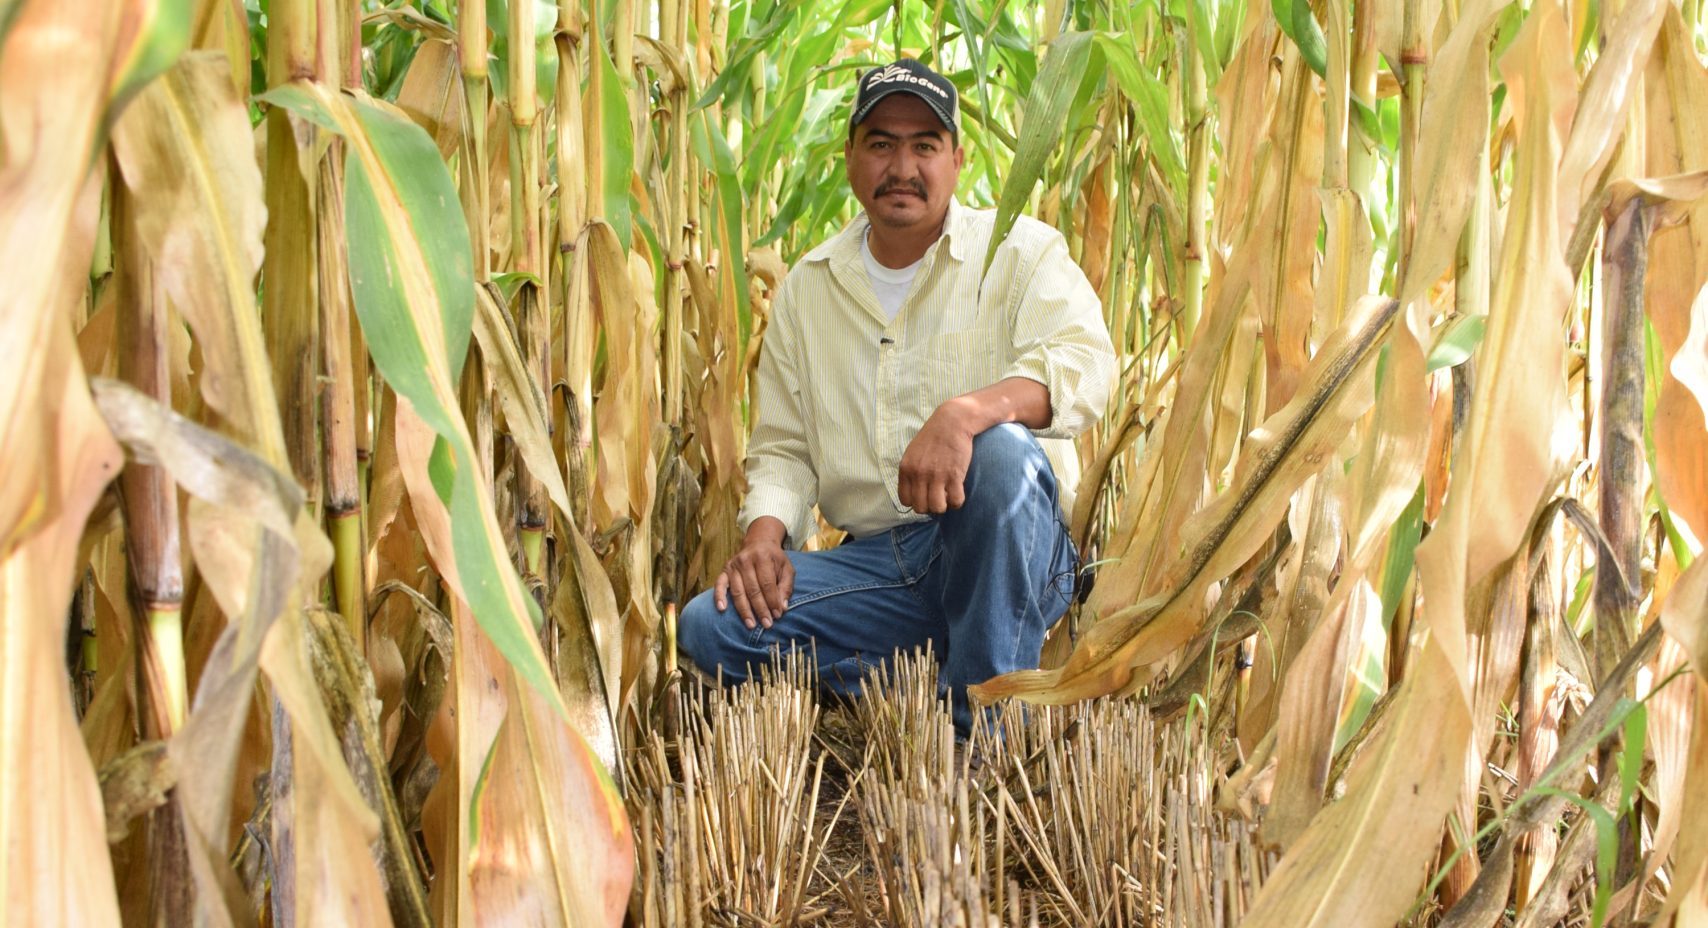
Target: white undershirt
889 284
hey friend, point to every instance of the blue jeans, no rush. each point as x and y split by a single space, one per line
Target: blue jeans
981 583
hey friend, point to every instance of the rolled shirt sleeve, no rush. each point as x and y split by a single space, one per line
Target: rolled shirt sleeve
781 480
1061 339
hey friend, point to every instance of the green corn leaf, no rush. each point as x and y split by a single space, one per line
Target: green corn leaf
1401 557
1606 850
411 274
1203 28
1041 122
713 149
737 70
165 36
1228 25
1457 341
975 50
1299 25
1150 100
1631 757
619 148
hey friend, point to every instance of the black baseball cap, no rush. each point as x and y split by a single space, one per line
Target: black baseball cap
907 76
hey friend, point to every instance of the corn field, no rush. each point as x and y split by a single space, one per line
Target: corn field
380 382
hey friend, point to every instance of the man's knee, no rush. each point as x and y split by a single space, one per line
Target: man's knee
1007 463
707 637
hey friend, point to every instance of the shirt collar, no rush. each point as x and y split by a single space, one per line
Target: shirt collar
953 230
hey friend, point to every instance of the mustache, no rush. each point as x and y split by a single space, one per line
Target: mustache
914 187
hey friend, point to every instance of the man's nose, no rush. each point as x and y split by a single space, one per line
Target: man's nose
905 165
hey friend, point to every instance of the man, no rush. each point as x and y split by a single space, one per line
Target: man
904 393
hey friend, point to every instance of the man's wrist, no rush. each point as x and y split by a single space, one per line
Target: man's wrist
966 414
766 529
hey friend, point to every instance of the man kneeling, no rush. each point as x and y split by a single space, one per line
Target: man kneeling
924 408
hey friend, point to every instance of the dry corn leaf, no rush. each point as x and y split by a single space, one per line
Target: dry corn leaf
584 609
1451 140
184 150
1690 364
519 396
1671 720
331 824
50 809
60 65
553 844
619 419
220 25
186 141
327 873
1599 120
1384 477
209 464
1361 860
1159 505
1286 449
1283 288
1312 687
1685 618
432 95
1676 104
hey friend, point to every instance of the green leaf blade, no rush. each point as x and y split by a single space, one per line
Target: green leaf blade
1041 123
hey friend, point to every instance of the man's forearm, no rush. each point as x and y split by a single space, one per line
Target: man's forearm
1014 399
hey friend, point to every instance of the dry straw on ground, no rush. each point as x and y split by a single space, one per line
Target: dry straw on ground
1091 815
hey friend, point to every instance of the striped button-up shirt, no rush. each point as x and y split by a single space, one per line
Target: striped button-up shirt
842 390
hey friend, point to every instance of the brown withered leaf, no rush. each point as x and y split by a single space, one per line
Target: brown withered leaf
1171 476
61 64
1685 618
432 94
1676 107
1317 649
335 878
50 806
1285 450
1671 720
534 807
198 457
519 396
1283 287
1456 86
185 149
1362 859
133 784
1599 120
186 142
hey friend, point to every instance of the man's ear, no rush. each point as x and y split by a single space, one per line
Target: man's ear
960 158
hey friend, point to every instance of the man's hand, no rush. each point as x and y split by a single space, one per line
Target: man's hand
759 578
933 475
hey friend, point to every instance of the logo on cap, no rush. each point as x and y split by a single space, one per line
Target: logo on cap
896 72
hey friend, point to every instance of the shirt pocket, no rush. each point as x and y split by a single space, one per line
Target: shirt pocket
961 362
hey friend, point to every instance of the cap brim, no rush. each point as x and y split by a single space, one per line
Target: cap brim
937 108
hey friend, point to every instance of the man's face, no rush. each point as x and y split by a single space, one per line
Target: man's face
903 164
